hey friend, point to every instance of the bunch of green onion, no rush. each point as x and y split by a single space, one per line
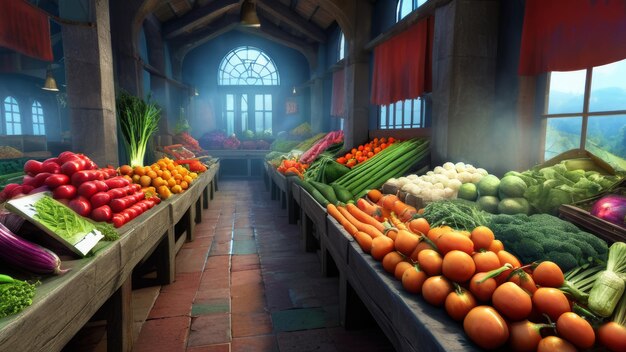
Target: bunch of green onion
139 120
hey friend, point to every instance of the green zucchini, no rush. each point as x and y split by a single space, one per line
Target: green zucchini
326 190
343 194
312 191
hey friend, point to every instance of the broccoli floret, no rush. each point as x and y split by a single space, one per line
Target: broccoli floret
565 261
528 250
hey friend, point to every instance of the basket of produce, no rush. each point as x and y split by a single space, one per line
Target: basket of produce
603 214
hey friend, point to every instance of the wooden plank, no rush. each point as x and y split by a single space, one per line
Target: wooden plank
409 322
63 304
120 319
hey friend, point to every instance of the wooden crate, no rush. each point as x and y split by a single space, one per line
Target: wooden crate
607 231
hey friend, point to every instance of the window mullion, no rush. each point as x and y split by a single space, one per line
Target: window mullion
583 132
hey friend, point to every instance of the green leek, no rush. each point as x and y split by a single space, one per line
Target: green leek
138 121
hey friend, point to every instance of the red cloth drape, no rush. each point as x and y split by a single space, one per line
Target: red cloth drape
569 35
25 29
338 99
403 65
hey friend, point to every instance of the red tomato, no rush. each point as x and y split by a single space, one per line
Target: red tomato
576 330
555 344
512 301
118 220
99 199
102 187
612 336
550 301
40 179
486 327
81 206
51 167
87 189
102 213
458 303
64 192
32 167
71 167
525 335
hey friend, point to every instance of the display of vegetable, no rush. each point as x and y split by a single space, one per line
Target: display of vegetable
325 169
393 161
443 182
231 142
26 255
213 140
165 175
292 167
12 221
611 208
612 334
609 287
365 151
564 183
334 138
458 214
139 120
546 237
15 295
62 220
188 142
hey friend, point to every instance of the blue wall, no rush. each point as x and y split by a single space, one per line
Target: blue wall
200 69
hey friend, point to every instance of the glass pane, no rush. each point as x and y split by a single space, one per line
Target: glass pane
230 102
258 102
341 124
268 102
342 46
404 8
606 138
230 122
267 122
562 134
608 87
417 113
382 123
407 113
398 114
567 90
258 120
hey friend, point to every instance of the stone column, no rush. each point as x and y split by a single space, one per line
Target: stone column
159 86
89 71
464 125
357 84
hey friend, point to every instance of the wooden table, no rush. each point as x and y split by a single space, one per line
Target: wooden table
281 189
251 159
63 304
409 322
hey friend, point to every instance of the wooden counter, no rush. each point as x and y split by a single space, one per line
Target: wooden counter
240 162
409 322
281 189
63 304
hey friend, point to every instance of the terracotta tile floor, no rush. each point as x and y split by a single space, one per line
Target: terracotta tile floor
244 284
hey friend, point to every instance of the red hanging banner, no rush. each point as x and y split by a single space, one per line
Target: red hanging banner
403 65
25 29
338 98
570 35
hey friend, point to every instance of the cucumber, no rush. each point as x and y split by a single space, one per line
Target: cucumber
312 191
343 194
326 190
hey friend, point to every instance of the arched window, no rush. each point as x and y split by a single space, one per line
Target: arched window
407 6
39 127
247 66
12 119
342 47
248 77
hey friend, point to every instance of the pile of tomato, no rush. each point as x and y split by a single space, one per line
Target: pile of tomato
500 302
365 151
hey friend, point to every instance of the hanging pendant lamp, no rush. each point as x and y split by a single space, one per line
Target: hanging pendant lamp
50 84
248 16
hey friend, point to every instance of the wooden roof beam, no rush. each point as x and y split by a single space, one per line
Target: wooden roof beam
212 31
276 9
215 9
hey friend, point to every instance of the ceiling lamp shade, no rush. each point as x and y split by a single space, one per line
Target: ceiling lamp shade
248 16
50 84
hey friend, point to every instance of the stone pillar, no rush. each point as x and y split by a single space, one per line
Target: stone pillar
89 71
159 86
317 105
464 68
357 84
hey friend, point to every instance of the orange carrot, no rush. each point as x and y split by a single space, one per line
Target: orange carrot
364 217
332 210
367 228
395 221
364 240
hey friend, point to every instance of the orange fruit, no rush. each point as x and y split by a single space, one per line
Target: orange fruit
145 181
139 170
125 170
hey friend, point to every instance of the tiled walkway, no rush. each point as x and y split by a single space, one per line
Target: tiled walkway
244 284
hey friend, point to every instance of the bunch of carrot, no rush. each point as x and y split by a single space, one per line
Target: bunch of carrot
499 300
